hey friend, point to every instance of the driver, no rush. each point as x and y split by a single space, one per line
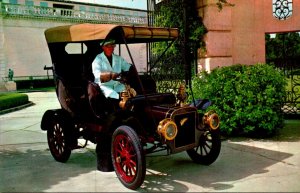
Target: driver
107 67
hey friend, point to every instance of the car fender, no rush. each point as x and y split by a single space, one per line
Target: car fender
120 118
49 115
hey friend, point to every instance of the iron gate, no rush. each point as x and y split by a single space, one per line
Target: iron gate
291 69
283 52
168 69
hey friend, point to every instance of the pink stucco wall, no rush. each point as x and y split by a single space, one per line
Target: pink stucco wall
237 34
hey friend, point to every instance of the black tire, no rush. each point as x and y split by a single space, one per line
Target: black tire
58 141
128 157
208 149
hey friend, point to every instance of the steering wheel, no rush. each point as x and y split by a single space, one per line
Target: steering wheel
123 77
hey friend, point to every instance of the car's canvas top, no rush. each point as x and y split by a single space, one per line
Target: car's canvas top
88 32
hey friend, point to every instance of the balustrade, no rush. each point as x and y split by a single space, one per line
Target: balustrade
49 12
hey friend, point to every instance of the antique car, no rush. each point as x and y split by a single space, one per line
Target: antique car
145 121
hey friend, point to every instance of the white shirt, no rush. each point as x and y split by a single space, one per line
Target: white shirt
100 64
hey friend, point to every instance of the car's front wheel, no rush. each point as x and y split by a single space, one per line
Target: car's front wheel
208 149
128 157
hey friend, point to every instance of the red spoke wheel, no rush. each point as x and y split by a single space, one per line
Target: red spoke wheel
128 157
208 149
57 142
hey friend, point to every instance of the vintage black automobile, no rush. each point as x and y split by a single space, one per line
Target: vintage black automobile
144 122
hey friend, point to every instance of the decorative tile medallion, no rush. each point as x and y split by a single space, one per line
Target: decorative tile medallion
282 9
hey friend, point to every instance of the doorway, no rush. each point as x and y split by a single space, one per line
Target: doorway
283 51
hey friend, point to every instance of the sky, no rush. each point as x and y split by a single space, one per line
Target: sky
136 4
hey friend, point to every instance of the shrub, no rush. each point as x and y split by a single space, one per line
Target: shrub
31 83
247 98
9 100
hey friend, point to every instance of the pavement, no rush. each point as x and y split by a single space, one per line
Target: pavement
244 164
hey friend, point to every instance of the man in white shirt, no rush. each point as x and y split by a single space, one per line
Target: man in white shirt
107 67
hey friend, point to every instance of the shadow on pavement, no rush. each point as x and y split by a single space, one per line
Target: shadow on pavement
40 171
236 162
174 173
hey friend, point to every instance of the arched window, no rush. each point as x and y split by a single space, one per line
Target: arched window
282 9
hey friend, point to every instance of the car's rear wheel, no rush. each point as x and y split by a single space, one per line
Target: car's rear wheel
128 157
57 139
208 149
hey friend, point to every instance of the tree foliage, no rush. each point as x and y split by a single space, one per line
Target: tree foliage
284 45
171 14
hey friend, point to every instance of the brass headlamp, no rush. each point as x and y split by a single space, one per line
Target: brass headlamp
211 119
167 128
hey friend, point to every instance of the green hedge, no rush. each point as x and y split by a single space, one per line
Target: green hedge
9 100
34 84
247 98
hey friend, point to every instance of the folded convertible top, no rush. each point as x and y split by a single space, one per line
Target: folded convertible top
89 32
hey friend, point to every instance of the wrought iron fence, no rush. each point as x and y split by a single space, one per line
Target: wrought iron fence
25 78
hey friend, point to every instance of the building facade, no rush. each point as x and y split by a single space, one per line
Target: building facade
23 46
236 34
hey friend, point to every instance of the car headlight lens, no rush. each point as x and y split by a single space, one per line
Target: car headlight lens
167 128
212 119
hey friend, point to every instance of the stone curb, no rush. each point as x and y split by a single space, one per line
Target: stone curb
16 108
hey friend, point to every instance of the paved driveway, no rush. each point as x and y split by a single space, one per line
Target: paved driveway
244 165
